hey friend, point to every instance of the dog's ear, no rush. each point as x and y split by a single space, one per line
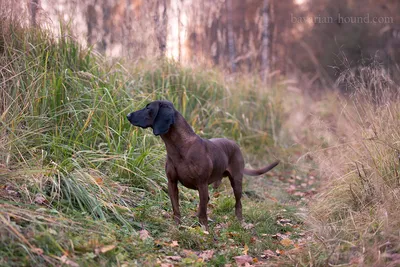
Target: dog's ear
165 118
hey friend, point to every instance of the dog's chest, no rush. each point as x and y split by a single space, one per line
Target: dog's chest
190 172
189 169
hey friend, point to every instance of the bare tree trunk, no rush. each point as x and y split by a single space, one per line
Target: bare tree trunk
126 29
33 7
106 8
161 22
91 22
231 40
265 55
179 31
272 32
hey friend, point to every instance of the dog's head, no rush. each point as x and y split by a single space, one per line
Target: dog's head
159 115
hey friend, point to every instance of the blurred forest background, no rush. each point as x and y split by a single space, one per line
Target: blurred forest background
310 40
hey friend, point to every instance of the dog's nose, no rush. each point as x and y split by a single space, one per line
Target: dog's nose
128 116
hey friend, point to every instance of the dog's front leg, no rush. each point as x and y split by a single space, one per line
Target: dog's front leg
174 196
203 194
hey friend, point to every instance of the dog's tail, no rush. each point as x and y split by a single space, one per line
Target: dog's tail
260 171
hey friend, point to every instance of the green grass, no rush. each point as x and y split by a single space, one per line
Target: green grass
77 181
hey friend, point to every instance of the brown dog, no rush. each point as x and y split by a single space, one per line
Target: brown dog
194 161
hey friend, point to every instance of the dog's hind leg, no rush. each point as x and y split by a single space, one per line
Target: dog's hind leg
236 183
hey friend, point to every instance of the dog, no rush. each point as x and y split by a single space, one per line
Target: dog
193 161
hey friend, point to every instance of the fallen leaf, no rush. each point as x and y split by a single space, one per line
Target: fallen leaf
174 258
104 249
207 255
299 194
144 234
12 191
64 259
268 254
240 260
98 180
38 251
221 225
272 198
188 253
174 244
41 210
40 199
286 242
279 236
247 226
245 250
121 189
165 214
284 222
52 231
291 189
233 234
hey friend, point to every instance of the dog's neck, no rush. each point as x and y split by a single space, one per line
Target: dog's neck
179 137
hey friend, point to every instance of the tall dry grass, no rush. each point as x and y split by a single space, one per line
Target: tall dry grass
356 216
